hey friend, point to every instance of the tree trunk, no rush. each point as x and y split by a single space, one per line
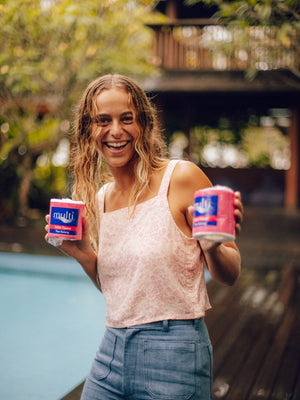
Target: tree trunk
25 185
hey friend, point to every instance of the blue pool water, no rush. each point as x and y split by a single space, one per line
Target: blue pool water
52 321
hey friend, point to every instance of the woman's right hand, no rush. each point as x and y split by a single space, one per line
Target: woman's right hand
74 248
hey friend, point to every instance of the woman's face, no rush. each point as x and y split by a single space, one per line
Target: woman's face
115 127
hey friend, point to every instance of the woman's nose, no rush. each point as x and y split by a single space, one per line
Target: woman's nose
116 129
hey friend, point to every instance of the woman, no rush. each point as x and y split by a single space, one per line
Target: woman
144 259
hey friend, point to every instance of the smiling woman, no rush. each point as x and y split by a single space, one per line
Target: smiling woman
145 261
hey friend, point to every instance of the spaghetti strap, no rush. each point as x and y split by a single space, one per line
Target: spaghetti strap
100 197
164 186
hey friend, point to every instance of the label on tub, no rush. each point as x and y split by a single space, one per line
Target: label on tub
64 220
205 206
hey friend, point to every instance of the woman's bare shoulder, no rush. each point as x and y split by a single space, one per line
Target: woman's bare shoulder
188 175
186 179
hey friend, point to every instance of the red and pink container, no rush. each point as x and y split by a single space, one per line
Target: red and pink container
65 219
214 214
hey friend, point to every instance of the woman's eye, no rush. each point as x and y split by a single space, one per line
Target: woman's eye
101 121
128 119
104 121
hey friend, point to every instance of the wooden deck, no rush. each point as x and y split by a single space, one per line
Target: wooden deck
255 332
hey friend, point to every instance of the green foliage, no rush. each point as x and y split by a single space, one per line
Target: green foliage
54 47
240 141
262 144
253 12
50 50
47 181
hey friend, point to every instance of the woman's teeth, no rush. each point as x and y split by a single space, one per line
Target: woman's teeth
118 145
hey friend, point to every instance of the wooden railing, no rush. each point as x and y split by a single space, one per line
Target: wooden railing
206 46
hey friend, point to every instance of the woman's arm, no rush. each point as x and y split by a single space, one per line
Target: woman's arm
82 251
223 259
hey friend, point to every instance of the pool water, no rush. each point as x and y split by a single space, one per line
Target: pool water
52 321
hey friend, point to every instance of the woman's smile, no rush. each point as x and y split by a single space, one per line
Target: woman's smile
117 146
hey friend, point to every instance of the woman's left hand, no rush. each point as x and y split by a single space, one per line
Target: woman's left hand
238 213
223 259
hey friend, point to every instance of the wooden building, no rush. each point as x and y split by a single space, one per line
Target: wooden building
199 82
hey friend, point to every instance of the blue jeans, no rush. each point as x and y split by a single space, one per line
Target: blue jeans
168 360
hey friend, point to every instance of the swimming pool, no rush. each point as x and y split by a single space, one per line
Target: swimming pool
52 320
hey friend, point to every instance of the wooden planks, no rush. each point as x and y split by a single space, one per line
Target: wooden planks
74 394
258 356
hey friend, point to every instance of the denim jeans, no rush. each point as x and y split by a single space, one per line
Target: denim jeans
167 360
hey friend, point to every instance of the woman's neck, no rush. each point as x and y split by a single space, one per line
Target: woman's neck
124 178
119 191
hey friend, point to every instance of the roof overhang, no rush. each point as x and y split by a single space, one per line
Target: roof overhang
223 81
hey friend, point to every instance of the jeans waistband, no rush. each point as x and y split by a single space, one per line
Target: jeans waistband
168 323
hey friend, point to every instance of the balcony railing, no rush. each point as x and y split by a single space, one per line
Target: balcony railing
206 46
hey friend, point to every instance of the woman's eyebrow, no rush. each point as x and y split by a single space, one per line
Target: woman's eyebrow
104 114
101 114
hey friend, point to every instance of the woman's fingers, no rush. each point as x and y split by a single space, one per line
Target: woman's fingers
238 212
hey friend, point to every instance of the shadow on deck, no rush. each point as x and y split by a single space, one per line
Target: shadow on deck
254 329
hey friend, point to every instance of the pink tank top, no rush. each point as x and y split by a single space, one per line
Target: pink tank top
148 268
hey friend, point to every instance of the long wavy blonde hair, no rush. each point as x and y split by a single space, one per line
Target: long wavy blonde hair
87 164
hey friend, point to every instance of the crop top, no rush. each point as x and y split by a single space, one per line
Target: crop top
148 268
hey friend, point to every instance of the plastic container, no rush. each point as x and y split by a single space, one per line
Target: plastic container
213 218
65 220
